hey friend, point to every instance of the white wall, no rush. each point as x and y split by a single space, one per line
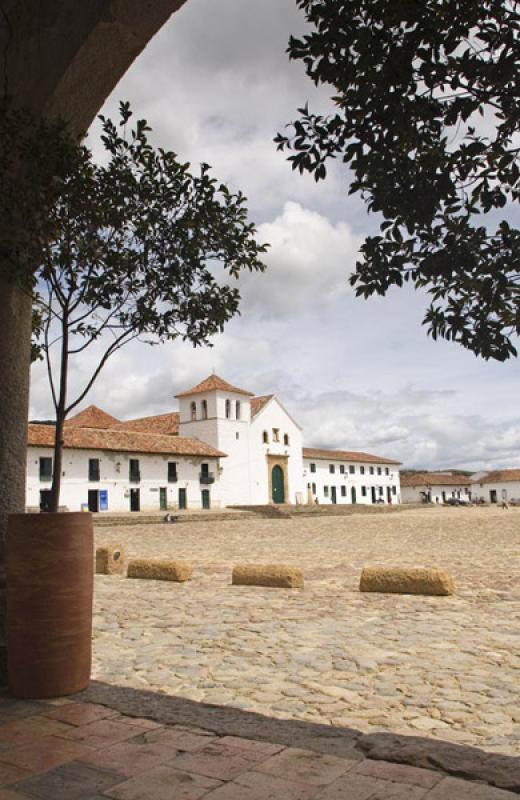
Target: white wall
364 477
273 416
413 494
229 435
114 478
511 489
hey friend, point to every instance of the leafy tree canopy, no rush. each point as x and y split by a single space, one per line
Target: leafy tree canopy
427 117
132 248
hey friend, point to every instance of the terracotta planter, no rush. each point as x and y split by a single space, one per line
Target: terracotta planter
50 575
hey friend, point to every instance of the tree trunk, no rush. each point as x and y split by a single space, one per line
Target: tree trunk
60 413
57 464
15 358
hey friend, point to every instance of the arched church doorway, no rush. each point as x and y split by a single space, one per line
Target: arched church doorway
277 484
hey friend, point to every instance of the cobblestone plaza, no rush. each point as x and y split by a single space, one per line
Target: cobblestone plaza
442 667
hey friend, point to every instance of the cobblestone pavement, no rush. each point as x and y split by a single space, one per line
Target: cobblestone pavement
63 750
442 667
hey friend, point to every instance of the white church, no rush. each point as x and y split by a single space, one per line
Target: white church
225 446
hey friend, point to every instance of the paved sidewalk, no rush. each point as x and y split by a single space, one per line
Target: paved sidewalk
68 750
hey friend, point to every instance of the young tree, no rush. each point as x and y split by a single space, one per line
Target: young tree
427 117
132 250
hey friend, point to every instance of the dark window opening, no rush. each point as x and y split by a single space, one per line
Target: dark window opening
45 468
93 469
205 475
134 472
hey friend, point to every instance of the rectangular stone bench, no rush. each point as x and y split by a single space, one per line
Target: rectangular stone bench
271 575
413 580
153 569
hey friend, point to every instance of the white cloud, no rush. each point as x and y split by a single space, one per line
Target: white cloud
308 264
141 380
388 424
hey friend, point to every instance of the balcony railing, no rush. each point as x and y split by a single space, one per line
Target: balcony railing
173 478
207 477
135 476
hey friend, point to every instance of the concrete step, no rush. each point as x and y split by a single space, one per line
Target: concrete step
142 518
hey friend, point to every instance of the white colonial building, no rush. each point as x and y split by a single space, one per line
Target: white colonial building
497 486
339 476
435 487
223 447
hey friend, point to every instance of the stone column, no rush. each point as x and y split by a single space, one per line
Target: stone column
58 59
15 357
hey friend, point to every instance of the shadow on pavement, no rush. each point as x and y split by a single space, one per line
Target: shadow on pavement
459 761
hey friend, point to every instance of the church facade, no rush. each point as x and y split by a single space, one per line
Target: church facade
225 446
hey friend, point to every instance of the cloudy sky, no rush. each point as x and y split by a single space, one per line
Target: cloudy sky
216 86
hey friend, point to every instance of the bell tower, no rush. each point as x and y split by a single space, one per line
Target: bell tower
218 413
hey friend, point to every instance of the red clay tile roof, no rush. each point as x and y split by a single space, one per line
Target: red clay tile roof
167 424
213 382
434 479
257 403
499 476
121 441
91 417
345 455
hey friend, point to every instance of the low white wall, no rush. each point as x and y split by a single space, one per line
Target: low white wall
437 494
505 490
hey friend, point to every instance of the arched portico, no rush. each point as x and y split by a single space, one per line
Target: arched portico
59 58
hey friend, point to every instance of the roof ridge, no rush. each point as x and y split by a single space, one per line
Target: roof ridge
213 383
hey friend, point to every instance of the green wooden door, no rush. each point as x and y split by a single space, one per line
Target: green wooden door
182 498
163 505
353 494
333 496
277 484
205 498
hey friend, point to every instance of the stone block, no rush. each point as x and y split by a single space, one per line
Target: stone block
415 580
110 560
156 570
273 575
